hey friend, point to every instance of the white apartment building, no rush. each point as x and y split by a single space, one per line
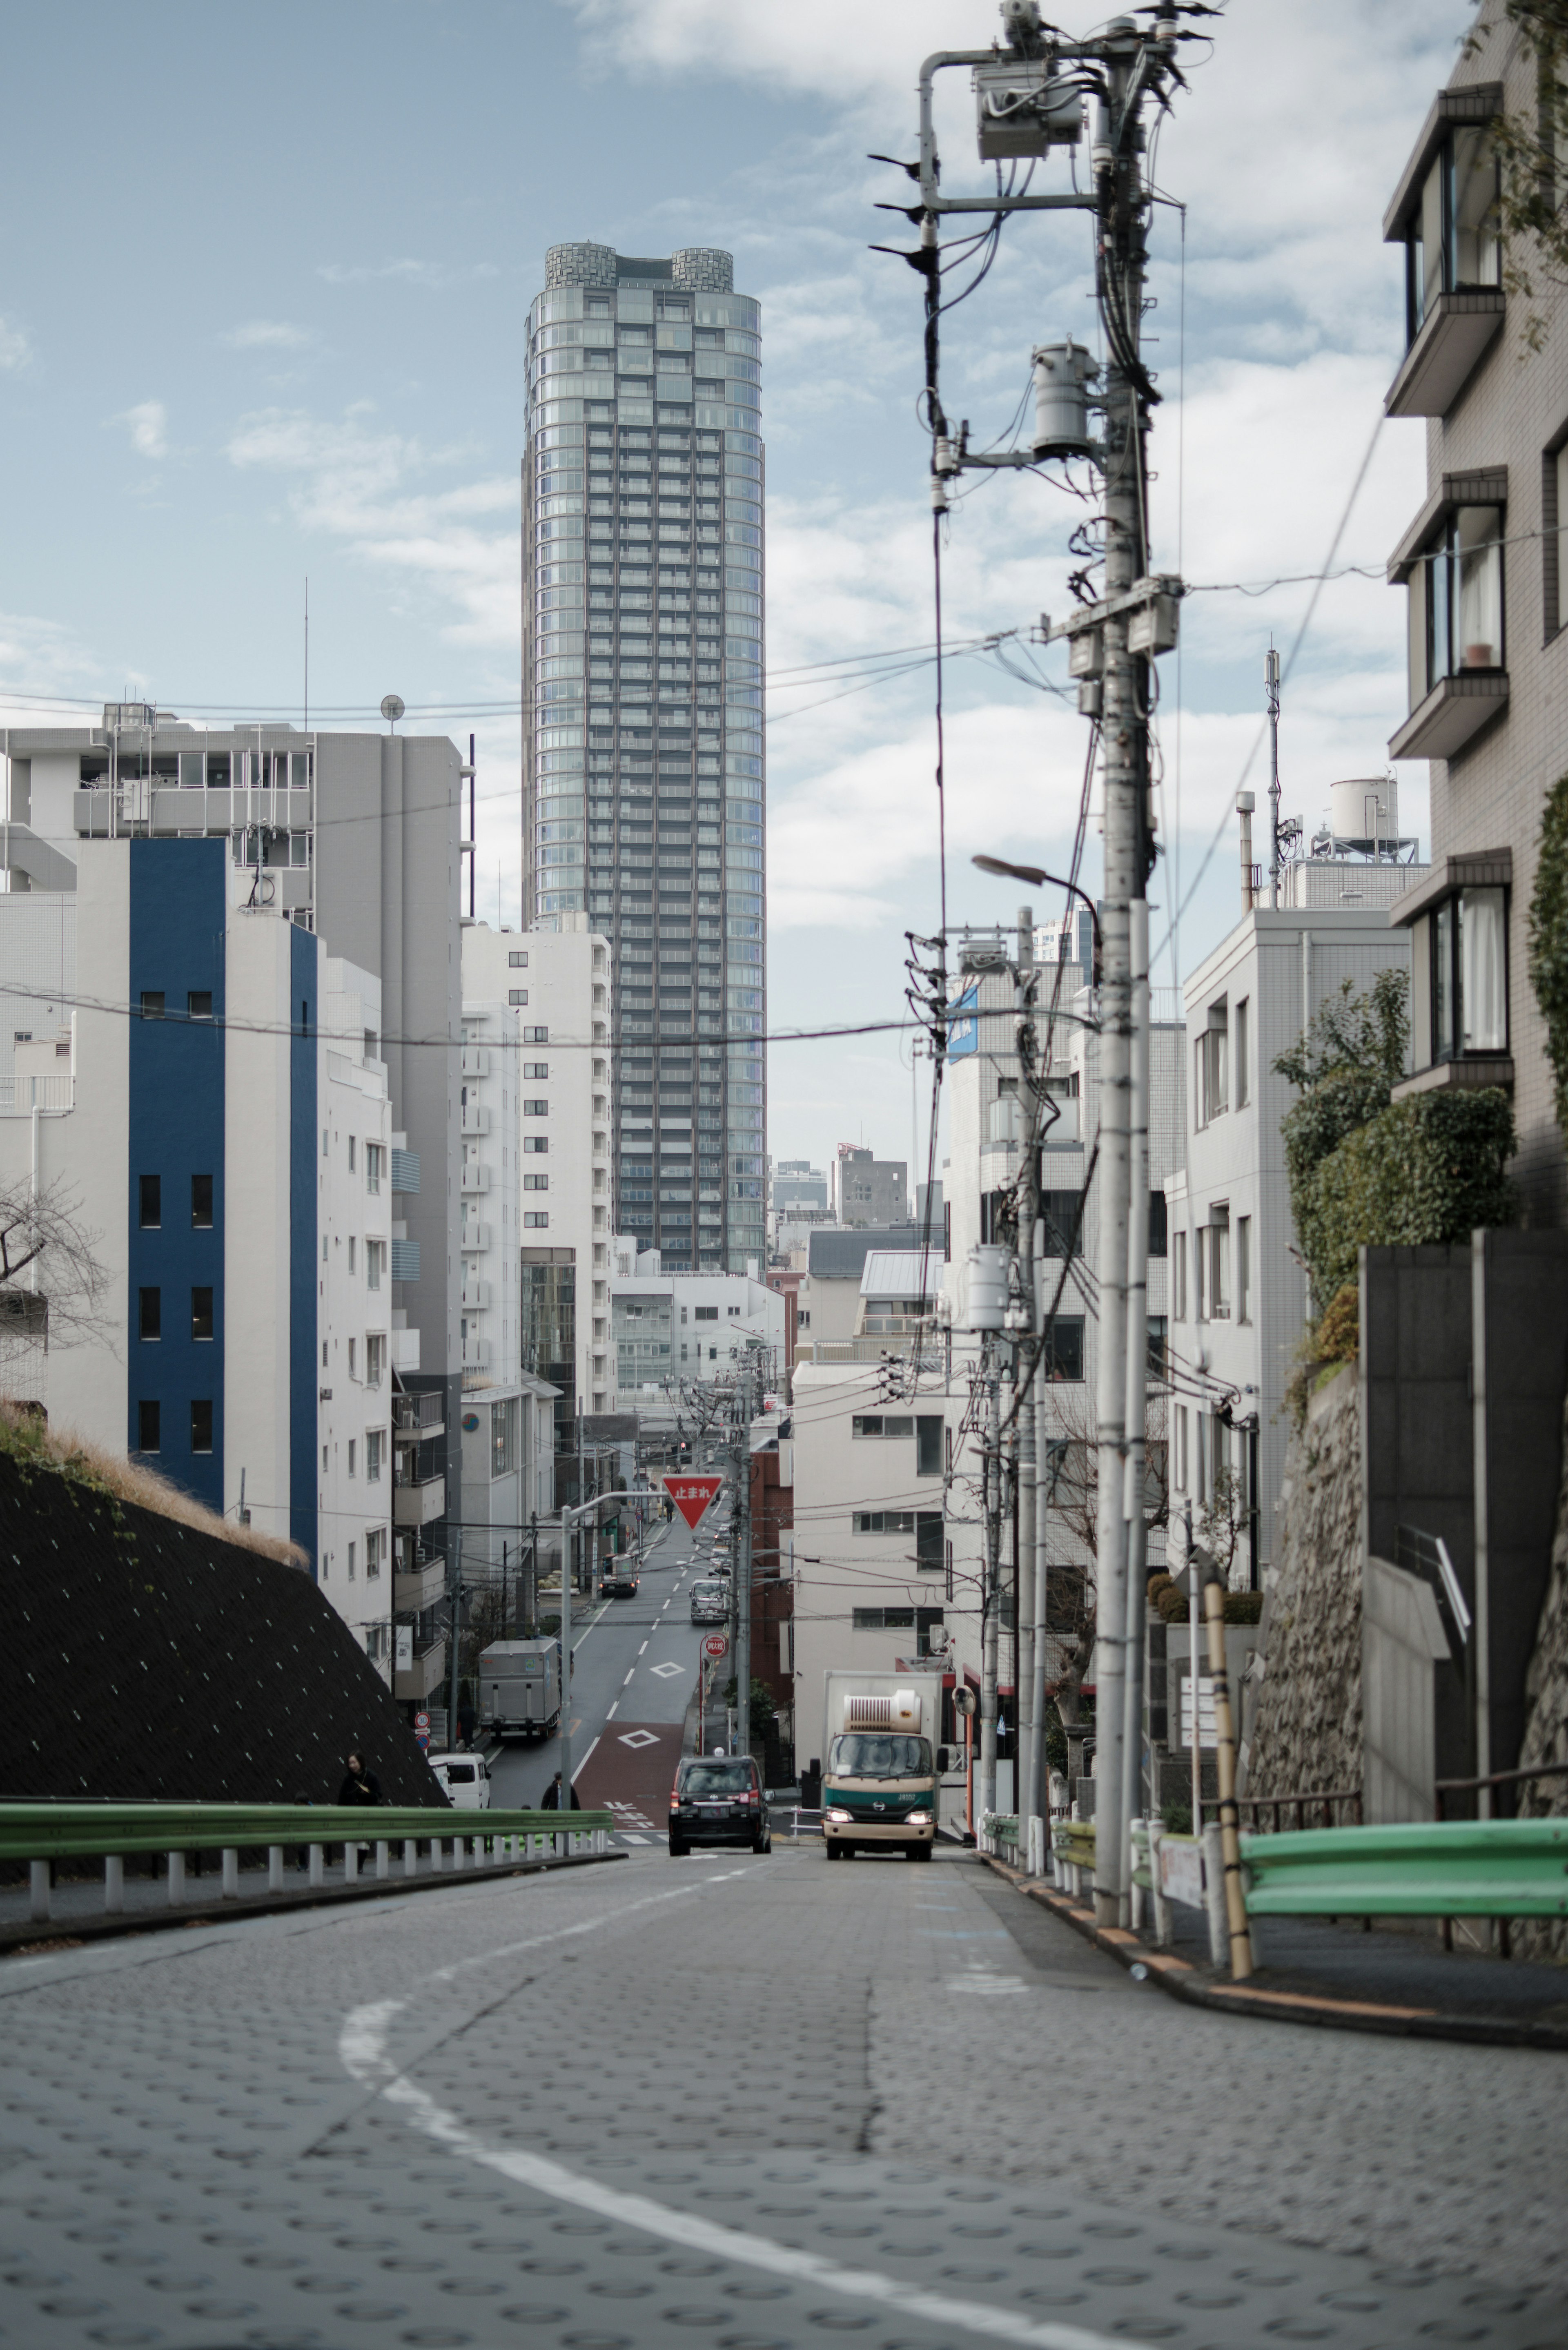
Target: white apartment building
888 1541
229 1147
556 983
675 1330
491 1235
1239 1301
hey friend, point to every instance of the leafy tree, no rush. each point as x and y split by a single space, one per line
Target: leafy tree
1345 1065
1532 220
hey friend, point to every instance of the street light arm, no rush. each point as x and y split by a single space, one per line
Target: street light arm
1039 878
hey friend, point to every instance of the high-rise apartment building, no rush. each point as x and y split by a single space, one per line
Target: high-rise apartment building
642 694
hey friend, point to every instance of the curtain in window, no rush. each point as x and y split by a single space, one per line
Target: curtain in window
1483 993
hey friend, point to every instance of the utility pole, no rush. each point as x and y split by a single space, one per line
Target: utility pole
455 1630
1271 685
991 1605
1033 90
743 1568
1133 1503
1025 1768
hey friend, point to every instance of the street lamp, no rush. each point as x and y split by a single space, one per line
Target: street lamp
1038 877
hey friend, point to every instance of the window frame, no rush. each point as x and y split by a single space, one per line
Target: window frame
1444 933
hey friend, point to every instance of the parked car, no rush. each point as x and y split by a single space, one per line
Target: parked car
466 1778
718 1800
709 1602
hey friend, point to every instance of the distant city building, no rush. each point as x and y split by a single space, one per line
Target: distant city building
796 1183
867 1189
675 1331
642 694
555 982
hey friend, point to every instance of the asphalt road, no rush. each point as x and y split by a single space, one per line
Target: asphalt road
745 2101
635 1667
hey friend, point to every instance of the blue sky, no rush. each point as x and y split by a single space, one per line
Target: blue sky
264 282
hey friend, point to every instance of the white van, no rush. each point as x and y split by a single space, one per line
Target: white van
466 1778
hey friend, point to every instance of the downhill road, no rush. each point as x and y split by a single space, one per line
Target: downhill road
756 2103
634 1669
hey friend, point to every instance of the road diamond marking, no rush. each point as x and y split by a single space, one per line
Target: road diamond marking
638 1738
665 1670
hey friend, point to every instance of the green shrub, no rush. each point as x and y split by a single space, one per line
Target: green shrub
1547 961
1426 1169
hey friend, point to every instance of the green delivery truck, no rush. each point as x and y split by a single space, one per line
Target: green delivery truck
881 1761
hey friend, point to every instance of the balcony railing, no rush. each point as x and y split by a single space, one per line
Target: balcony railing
417 1588
418 1414
475 1118
418 1503
20 1095
475 1236
476 1176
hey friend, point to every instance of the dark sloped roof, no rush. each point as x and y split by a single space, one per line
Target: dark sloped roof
841 1255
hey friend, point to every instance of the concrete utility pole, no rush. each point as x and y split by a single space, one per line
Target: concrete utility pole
1033 89
992 1601
743 1563
1025 1769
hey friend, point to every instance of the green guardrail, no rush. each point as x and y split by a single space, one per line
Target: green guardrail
88 1831
1450 1868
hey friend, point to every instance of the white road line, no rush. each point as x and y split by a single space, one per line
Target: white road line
610 1717
643 1648
361 2045
583 1765
629 1677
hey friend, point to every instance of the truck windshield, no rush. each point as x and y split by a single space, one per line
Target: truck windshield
879 1754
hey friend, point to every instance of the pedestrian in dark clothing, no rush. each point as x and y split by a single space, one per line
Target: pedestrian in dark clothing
360 1787
551 1801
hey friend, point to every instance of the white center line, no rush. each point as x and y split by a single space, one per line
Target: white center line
641 1649
610 1715
629 1677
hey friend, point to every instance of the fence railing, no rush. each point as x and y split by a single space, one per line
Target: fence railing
44 1836
1338 1807
1502 1783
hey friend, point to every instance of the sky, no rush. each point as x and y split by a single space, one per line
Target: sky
264 289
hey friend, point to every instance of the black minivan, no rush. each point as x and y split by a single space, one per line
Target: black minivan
718 1799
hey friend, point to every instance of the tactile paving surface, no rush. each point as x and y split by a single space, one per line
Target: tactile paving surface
187 2158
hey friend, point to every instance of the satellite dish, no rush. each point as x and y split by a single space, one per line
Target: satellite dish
392 708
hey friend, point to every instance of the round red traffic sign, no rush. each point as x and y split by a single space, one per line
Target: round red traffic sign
717 1644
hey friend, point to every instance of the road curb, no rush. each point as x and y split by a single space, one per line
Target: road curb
1182 1980
34 1935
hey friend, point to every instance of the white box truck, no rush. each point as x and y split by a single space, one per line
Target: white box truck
881 1761
520 1689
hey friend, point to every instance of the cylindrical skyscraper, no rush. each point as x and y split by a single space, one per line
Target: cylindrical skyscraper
642 699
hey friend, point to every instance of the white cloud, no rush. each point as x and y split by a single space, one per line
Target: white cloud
16 348
361 486
148 425
267 335
409 271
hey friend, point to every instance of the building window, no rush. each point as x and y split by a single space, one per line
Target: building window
150 1314
1158 1346
1244 1268
375 1556
1211 1070
352 1456
533 1108
353 1343
351 1252
883 1522
708 1314
200 1313
150 1202
201 1204
1243 1026
537 1183
373 1155
930 1556
884 1619
930 1430
536 1069
1218 1237
153 1003
149 1417
535 1142
350 1154
1456 600
1453 237
1180 1478
202 1424
375 1349
517 958
876 1423
535 1035
373 1253
534 1222
1467 949
1178 1277
372 1456
1158 1225
1063 1359
516 996
353 1550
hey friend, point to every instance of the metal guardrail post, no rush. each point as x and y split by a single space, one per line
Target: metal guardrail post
351 1862
316 1872
274 1868
113 1885
176 1878
383 1860
231 1873
410 1857
40 1906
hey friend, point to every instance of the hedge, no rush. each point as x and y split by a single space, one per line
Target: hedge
1547 961
1429 1168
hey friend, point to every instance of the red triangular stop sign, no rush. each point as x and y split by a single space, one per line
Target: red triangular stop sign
691 1496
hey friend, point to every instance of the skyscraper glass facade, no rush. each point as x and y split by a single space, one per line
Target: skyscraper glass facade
642 697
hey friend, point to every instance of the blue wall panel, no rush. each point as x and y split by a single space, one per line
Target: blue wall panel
176 1081
304 1147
